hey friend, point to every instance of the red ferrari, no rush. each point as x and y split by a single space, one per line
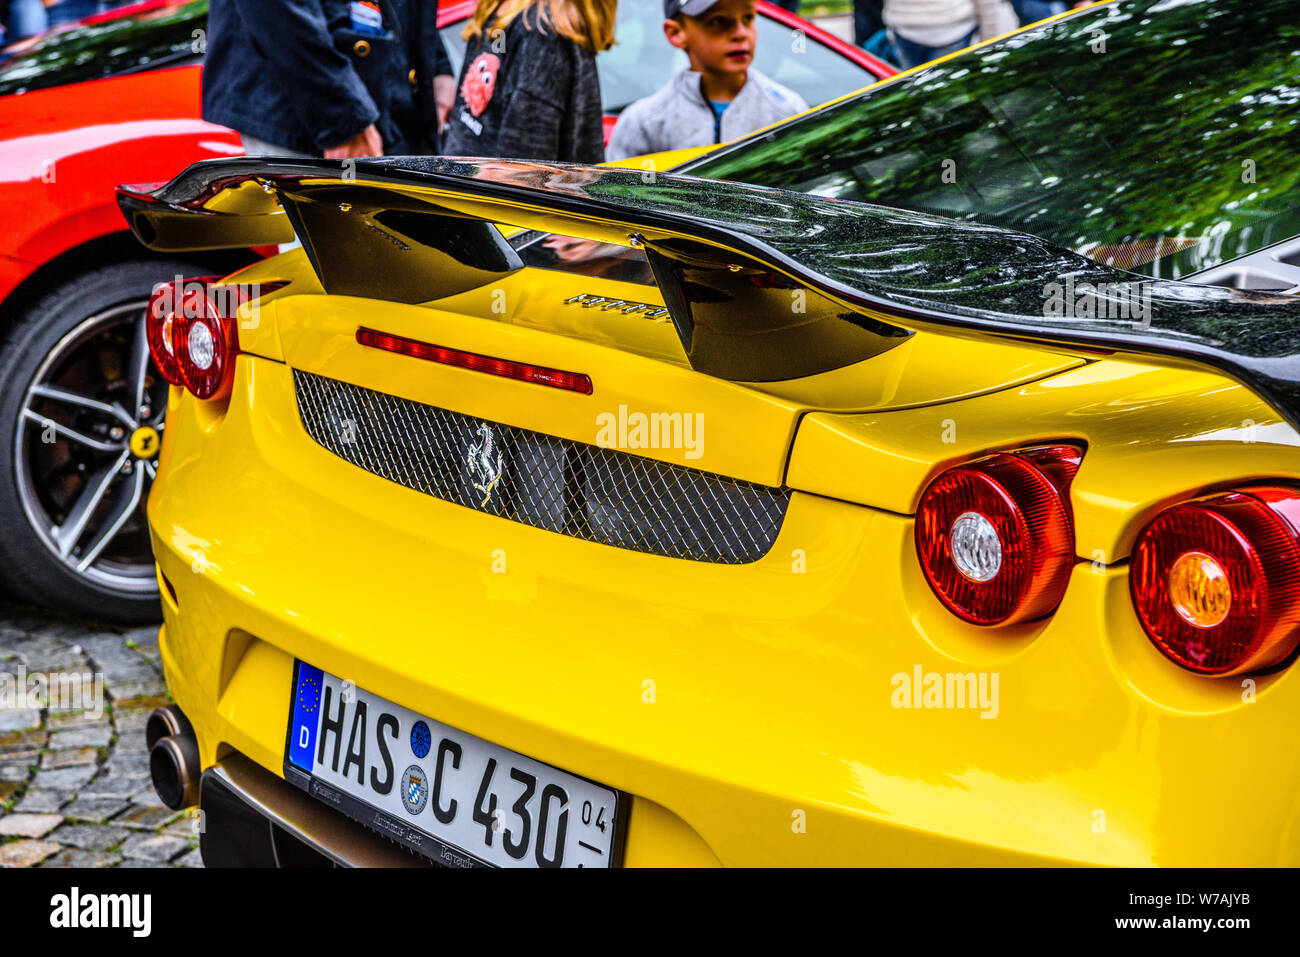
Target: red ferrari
115 99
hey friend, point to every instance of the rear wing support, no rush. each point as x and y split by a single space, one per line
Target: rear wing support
761 283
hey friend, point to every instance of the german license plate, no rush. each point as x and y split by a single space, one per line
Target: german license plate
441 792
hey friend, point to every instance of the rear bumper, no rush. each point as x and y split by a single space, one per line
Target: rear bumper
251 818
753 712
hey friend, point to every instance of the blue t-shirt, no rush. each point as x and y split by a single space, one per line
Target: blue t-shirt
718 110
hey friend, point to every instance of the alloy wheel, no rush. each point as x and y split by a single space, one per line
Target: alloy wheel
86 449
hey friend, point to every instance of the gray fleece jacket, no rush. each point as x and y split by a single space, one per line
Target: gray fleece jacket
678 116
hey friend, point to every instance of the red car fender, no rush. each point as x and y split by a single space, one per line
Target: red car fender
63 151
61 157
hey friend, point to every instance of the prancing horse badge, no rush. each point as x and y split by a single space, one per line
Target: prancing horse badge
485 462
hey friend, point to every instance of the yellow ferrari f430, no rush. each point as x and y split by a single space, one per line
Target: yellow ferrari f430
916 482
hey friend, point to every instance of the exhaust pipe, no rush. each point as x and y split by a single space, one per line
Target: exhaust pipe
164 723
173 757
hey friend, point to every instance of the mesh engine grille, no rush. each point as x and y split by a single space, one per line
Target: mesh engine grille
593 493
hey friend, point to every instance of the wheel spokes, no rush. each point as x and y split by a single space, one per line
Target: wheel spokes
84 401
72 434
87 399
128 500
69 533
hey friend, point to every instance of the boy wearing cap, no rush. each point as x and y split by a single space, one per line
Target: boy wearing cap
720 97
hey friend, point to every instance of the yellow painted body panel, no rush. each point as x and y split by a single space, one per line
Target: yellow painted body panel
634 362
1154 436
749 710
661 162
755 713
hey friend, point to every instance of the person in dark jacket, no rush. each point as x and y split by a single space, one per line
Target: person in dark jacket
528 88
22 19
868 20
326 78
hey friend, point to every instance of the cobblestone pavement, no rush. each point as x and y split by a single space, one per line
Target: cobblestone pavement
74 786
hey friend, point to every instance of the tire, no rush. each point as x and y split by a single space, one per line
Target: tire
72 531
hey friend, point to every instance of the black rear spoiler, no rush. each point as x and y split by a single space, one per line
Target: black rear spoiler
761 283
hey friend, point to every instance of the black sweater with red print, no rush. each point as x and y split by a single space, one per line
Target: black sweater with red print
527 93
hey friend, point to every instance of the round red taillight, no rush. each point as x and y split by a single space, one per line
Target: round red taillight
162 311
1216 581
995 536
204 345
